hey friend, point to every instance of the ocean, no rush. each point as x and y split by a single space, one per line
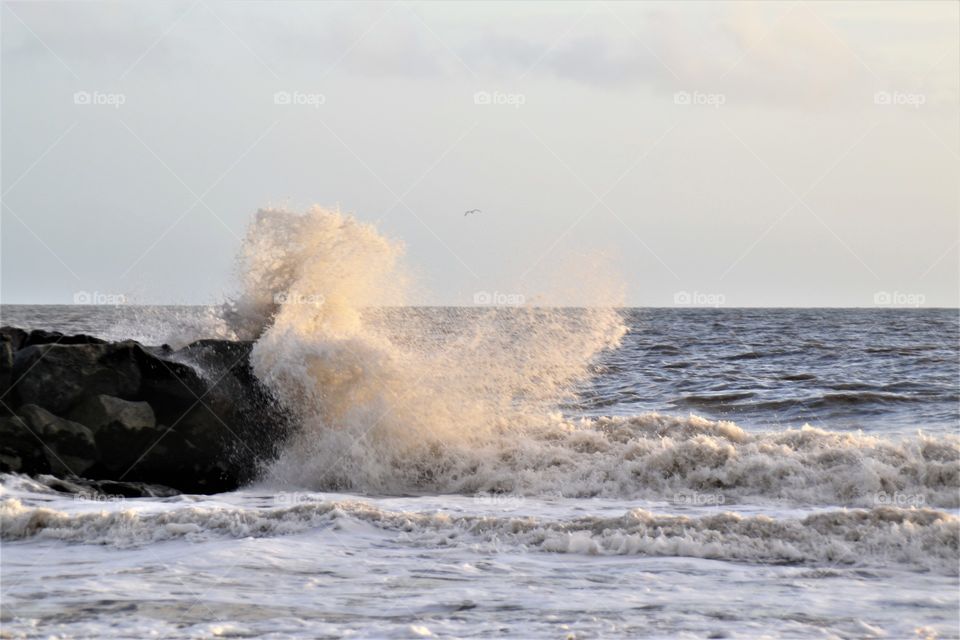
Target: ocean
525 473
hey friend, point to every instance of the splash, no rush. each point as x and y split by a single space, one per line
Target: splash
390 399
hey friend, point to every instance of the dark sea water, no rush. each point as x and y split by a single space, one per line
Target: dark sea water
876 370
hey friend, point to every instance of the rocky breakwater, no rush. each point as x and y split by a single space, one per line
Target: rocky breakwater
76 407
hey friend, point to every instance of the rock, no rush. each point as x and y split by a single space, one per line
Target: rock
39 336
225 400
15 336
6 371
172 388
100 411
107 490
69 447
216 357
176 462
20 450
123 430
234 413
196 419
57 376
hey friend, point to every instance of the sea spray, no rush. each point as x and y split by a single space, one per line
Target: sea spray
399 400
396 407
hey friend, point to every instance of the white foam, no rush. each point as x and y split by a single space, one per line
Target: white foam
921 538
686 460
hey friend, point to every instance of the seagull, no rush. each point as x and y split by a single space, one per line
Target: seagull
466 213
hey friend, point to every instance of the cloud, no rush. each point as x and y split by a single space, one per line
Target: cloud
87 32
781 55
368 40
746 52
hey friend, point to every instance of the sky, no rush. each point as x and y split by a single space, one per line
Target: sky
736 154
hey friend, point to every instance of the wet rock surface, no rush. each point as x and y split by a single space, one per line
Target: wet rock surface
194 419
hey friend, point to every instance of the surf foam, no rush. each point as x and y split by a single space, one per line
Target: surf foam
919 538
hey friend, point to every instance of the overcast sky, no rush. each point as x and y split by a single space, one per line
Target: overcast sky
778 153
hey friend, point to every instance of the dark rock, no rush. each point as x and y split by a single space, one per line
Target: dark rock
21 451
100 411
57 376
104 490
108 490
15 336
196 419
123 430
39 336
175 461
6 371
237 414
172 388
69 447
216 357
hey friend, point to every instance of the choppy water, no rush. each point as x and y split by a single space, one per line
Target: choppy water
888 370
608 522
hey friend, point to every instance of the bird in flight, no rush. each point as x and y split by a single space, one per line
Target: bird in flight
466 213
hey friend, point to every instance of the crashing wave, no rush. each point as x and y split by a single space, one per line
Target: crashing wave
471 405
